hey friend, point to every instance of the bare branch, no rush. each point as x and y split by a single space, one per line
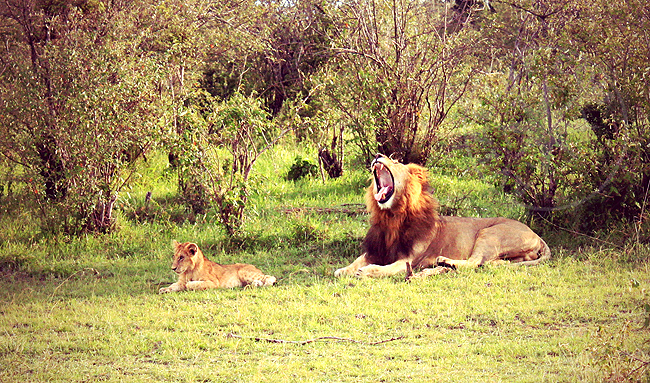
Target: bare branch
542 16
307 341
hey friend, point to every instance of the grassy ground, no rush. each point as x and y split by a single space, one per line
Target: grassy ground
86 309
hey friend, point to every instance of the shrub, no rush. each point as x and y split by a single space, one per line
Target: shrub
217 144
79 106
301 168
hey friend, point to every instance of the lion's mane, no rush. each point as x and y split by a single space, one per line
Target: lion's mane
414 216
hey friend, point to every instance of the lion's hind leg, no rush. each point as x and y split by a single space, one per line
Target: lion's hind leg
251 275
265 280
540 254
509 242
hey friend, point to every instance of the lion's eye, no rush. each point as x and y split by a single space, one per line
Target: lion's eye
181 258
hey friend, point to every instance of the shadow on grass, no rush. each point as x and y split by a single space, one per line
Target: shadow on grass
171 209
308 241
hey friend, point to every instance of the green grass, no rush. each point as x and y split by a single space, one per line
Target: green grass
556 322
86 308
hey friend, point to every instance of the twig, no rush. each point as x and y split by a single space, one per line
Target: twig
264 149
542 16
71 276
321 338
581 234
356 209
642 214
643 363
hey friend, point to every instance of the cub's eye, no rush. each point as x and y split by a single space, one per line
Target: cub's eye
181 258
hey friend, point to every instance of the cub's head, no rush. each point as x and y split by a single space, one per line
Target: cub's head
186 256
397 186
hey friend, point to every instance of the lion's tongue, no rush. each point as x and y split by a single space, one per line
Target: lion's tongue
382 193
384 182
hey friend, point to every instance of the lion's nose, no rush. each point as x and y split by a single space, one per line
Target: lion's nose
377 158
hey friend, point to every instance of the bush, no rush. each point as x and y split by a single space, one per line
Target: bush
217 144
78 110
619 172
301 168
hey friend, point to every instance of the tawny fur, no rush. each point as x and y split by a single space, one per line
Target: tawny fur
405 228
196 272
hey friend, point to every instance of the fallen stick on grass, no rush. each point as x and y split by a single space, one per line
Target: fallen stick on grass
95 272
258 339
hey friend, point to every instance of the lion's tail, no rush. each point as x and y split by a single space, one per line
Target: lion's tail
543 254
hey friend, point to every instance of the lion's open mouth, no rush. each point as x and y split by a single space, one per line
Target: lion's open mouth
384 182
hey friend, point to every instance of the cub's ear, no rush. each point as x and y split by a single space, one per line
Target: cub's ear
175 244
419 172
193 249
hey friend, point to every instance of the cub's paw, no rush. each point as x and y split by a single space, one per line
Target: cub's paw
171 288
164 290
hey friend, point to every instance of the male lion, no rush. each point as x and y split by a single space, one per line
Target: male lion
196 272
406 230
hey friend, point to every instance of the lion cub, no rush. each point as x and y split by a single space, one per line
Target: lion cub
196 272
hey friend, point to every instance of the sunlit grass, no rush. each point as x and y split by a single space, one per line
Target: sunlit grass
493 324
86 308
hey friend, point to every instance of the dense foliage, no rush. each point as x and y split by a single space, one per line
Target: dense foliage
552 97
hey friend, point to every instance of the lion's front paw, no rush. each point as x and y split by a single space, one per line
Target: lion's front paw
370 271
344 271
164 290
445 262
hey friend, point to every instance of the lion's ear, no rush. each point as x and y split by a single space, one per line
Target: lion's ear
175 244
193 249
419 172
